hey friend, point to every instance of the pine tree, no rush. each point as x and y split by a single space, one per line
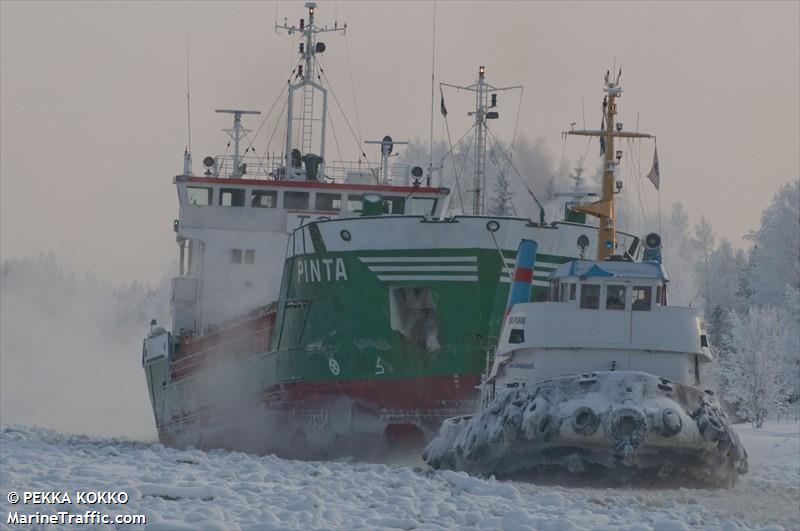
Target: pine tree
753 364
501 204
776 247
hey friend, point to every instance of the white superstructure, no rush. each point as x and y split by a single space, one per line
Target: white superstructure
602 316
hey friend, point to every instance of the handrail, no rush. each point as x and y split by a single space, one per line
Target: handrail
273 167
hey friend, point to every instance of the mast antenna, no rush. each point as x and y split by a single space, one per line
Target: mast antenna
433 73
187 153
305 81
188 104
482 113
603 209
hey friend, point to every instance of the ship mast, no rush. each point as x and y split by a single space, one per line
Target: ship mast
481 113
304 80
604 207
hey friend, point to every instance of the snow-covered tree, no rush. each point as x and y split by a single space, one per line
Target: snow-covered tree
501 204
791 317
753 364
776 247
678 256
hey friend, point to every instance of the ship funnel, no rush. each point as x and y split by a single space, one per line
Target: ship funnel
520 290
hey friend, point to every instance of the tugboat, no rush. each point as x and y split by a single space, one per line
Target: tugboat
321 306
603 375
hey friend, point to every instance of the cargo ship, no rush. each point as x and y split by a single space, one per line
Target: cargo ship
333 308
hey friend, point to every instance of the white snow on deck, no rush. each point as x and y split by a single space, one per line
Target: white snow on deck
190 489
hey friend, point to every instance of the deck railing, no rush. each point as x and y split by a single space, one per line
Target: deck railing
272 167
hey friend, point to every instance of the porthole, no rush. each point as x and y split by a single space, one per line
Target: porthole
345 234
492 226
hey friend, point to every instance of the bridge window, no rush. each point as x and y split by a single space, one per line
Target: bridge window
236 256
198 196
642 298
590 296
328 202
615 297
264 199
422 206
295 200
554 291
249 256
394 205
354 203
231 197
572 290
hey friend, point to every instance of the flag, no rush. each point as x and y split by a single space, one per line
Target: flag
443 108
654 175
603 136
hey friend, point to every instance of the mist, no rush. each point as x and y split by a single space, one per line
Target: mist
71 349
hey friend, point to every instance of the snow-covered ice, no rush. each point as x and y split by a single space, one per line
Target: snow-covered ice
190 489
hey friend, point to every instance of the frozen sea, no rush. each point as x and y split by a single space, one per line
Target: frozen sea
195 490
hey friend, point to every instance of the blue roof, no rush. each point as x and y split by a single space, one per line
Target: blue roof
610 269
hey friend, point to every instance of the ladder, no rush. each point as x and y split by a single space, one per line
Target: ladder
308 119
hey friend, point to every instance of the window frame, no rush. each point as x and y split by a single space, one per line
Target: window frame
648 291
583 296
290 194
610 288
255 194
334 197
235 193
209 191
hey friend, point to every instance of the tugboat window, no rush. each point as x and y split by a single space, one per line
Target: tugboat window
615 297
250 256
572 290
564 292
295 200
516 336
328 202
264 199
198 196
236 256
642 298
231 197
590 296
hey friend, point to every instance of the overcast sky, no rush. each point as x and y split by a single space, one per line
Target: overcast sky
93 109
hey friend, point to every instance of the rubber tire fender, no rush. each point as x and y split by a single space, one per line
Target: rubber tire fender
547 427
671 423
711 427
585 421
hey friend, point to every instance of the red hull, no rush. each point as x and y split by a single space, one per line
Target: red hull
354 410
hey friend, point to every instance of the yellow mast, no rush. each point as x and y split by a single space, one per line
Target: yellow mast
604 207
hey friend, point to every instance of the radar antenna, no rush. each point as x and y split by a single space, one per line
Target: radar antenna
235 133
